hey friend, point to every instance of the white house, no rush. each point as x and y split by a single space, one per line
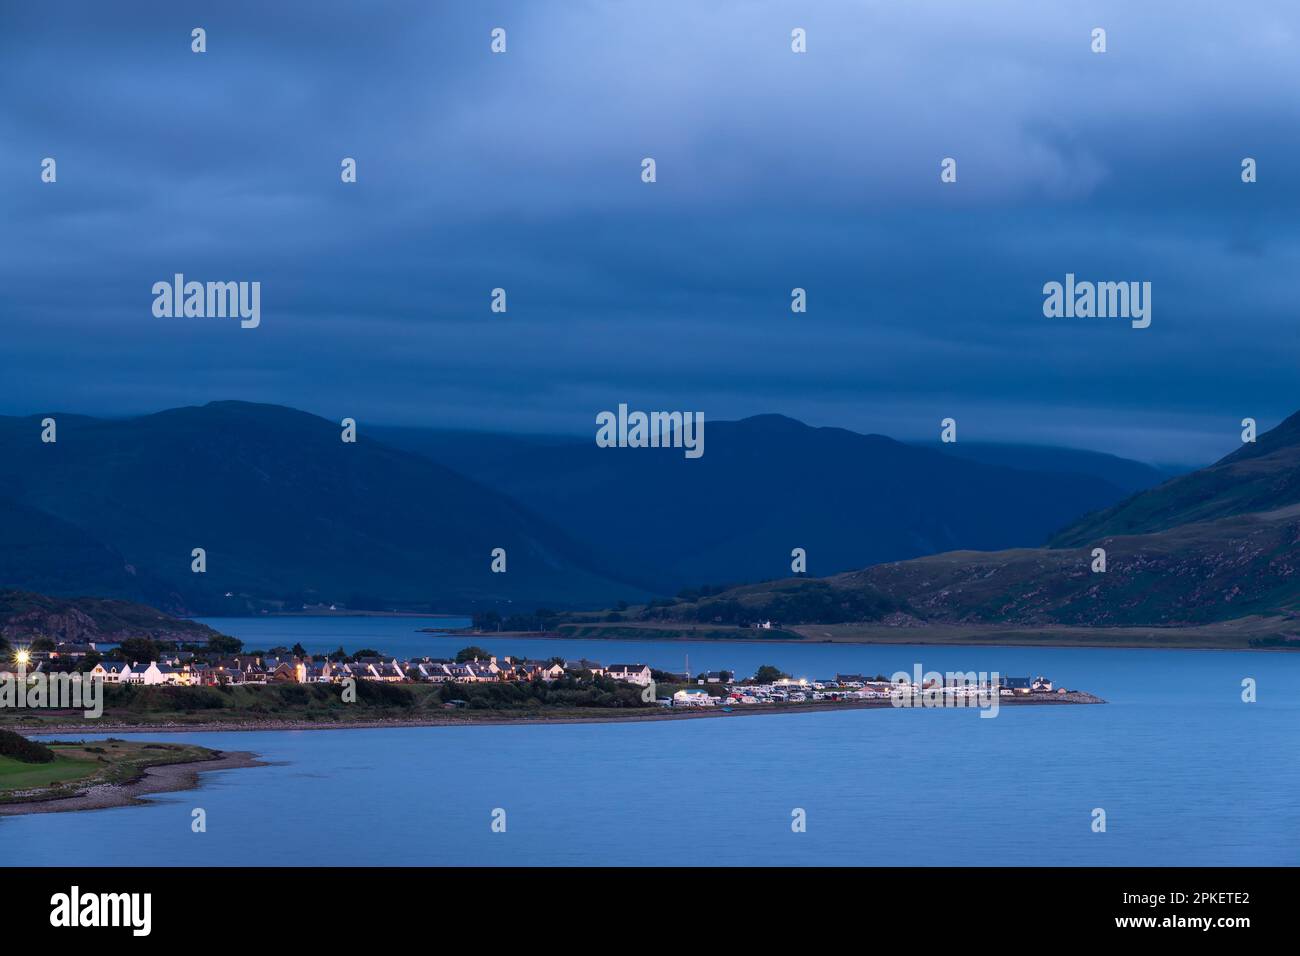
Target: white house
362 671
112 672
632 673
153 674
543 670
434 671
171 674
483 672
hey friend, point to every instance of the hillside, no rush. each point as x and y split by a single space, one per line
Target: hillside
1257 477
287 513
42 552
24 616
1218 545
1195 574
768 484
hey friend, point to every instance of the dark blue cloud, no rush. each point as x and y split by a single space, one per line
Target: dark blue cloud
775 171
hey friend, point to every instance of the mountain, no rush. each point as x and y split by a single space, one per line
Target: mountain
25 616
471 453
287 512
408 518
1125 474
1211 572
1219 545
1261 476
43 552
766 485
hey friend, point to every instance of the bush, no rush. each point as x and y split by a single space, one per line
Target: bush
161 697
24 750
383 694
293 695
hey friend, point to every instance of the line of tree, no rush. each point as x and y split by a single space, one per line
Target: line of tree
543 619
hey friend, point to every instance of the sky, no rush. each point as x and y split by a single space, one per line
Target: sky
775 170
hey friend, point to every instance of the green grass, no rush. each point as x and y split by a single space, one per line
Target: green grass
79 765
15 775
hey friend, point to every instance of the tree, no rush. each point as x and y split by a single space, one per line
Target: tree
471 653
224 644
766 674
42 644
139 649
299 650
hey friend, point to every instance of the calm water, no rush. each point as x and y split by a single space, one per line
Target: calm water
396 636
1186 772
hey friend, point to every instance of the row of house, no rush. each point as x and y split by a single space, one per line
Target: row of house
306 670
262 669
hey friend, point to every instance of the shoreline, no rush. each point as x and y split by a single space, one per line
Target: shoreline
417 615
168 778
1224 636
873 642
498 720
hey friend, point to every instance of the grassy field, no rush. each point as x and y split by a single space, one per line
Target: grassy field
16 775
78 765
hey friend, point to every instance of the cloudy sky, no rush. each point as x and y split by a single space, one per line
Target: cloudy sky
775 170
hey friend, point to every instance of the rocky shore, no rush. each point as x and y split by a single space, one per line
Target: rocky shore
163 779
498 718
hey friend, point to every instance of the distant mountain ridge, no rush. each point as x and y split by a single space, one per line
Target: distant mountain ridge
289 514
286 511
1125 474
768 484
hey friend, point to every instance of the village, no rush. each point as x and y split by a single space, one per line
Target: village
682 690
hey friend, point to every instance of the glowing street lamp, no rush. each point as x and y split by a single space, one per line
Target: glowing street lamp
22 657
